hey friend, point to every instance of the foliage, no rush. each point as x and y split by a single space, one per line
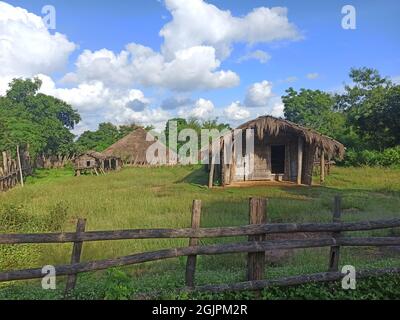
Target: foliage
372 108
387 158
313 109
106 135
30 117
196 125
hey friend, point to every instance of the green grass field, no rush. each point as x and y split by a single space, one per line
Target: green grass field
161 198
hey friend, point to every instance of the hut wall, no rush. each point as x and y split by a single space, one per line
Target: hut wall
85 161
262 160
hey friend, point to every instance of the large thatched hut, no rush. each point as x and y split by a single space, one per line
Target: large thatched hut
132 149
283 151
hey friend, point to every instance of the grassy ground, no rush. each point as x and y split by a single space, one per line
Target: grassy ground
161 198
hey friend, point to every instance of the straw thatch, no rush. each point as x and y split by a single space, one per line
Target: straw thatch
133 147
268 125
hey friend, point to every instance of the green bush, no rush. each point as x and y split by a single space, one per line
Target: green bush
372 158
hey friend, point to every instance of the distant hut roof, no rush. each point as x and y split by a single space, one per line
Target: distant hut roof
273 126
96 155
132 147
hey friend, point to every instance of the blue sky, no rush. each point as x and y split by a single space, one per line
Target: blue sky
316 53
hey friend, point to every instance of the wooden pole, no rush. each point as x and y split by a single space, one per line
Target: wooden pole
256 261
299 159
75 257
21 176
211 174
335 250
322 165
191 260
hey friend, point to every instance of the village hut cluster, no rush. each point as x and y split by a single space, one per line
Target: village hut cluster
283 151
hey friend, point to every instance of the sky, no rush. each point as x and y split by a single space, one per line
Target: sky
145 62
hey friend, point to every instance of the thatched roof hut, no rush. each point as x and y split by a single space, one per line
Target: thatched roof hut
96 162
283 151
132 148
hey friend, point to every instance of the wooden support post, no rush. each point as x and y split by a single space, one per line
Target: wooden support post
322 164
75 257
299 159
335 250
256 261
21 176
211 174
191 260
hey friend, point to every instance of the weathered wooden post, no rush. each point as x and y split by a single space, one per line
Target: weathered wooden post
335 250
299 159
322 165
191 260
256 261
76 256
21 176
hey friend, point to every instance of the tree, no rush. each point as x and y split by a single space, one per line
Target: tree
314 109
372 108
28 117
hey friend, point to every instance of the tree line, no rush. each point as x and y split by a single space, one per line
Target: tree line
365 117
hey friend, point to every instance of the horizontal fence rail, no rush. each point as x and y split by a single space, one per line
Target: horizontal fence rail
243 247
255 247
197 233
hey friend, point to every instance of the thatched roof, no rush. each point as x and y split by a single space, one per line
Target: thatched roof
132 148
96 155
273 126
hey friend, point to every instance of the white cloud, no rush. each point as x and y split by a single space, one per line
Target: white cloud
261 56
192 68
289 79
258 94
312 76
196 22
235 111
97 103
27 47
203 110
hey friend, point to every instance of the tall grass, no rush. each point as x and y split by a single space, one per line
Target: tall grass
162 197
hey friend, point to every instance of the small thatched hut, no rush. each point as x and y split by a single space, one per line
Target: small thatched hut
283 151
132 149
96 162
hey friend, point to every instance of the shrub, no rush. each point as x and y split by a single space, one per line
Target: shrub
388 158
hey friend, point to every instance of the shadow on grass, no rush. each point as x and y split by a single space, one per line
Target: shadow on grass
197 177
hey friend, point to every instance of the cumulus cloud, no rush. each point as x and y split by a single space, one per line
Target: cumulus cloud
258 94
27 47
203 110
192 68
195 22
261 56
97 102
235 111
312 76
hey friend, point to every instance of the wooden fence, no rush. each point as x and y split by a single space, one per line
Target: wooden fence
255 247
13 171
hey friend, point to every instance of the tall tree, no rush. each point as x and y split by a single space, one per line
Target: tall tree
314 109
372 107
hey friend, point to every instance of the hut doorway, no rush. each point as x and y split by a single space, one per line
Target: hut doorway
278 159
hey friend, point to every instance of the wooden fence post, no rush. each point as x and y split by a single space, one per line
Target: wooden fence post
21 176
335 250
191 260
256 261
75 257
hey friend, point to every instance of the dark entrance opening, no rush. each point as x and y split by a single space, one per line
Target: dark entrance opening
278 159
